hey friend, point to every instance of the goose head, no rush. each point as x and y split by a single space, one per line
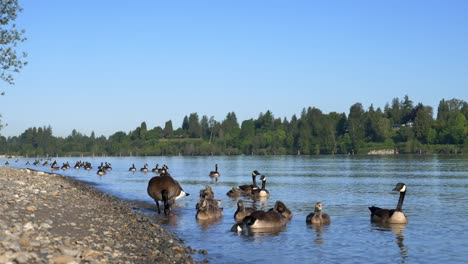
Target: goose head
401 187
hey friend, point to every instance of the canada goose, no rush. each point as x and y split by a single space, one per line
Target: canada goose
247 188
166 189
281 208
234 192
54 166
156 169
261 219
65 166
208 211
88 166
101 171
215 174
207 193
107 166
132 168
318 217
207 198
163 171
145 168
391 216
261 193
242 211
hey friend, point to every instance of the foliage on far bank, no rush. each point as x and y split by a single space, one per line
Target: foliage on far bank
400 126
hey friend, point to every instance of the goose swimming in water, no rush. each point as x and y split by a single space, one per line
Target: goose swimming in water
262 219
318 217
391 216
281 208
247 188
145 168
101 171
215 174
234 192
208 210
263 192
242 211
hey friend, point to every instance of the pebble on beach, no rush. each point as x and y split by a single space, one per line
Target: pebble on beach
48 218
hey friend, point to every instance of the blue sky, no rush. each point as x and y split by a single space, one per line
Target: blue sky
106 66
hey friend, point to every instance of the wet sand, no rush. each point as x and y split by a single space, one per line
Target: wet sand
49 218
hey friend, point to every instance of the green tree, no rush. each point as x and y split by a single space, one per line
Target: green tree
423 123
356 126
394 112
247 133
407 110
304 135
168 129
11 60
194 127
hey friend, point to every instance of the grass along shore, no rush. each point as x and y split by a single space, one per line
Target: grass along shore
48 218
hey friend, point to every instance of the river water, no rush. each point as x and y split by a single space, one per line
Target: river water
436 205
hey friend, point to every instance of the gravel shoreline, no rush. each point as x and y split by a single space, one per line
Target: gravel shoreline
49 218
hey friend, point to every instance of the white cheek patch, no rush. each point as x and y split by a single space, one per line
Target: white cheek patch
182 194
403 189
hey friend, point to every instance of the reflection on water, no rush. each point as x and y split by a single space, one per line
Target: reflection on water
167 220
348 185
273 231
318 239
206 223
397 229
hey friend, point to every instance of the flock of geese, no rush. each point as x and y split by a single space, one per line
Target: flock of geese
164 188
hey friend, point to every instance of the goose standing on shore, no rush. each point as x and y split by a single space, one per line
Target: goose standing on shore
318 217
164 188
391 216
215 174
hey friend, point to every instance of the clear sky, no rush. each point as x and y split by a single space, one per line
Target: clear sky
108 65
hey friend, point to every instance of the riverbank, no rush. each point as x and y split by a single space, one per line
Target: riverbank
48 218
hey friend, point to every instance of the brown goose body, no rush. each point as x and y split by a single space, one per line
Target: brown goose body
215 174
208 210
318 217
242 211
261 219
281 208
165 189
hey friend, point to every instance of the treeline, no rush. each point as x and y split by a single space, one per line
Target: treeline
401 126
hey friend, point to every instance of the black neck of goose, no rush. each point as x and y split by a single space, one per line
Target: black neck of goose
400 201
263 185
253 180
